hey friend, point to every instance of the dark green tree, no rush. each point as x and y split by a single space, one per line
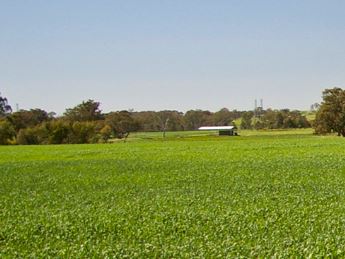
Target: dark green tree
28 118
331 113
223 117
7 132
197 118
246 122
147 120
279 120
121 123
86 111
82 132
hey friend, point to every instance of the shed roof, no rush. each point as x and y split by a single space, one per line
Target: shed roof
217 128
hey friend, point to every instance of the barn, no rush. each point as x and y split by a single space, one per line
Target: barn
223 130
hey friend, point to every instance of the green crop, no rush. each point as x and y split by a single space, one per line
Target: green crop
279 195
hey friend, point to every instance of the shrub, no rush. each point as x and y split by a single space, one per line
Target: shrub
83 132
27 137
7 132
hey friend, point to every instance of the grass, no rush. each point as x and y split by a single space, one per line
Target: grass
276 194
195 135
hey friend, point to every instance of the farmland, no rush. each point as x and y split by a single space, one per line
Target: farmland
262 194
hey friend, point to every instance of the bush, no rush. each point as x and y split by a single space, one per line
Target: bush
7 132
58 132
27 137
83 132
105 133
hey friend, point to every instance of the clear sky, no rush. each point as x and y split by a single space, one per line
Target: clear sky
170 54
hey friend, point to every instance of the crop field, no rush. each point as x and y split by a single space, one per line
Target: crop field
279 194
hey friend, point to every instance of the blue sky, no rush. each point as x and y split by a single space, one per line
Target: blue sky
176 54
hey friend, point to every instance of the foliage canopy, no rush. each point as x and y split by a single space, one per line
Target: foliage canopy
331 114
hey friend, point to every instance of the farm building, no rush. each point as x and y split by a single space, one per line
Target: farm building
223 130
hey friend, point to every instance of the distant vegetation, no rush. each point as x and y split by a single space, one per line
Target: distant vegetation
85 123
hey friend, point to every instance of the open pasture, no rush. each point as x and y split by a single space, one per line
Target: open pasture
278 194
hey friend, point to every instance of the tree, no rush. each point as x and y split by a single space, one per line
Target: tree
279 120
86 111
59 131
246 122
223 117
5 108
147 120
82 132
169 121
269 118
163 118
28 136
28 118
121 123
7 132
197 118
105 133
331 114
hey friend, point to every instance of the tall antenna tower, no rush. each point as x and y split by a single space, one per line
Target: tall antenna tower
258 109
17 107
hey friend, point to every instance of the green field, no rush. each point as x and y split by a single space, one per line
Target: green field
263 194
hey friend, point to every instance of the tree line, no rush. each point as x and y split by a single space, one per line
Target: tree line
85 123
